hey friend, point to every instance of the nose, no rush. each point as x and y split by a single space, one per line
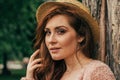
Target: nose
51 39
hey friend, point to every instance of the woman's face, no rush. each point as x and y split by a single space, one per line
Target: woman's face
61 39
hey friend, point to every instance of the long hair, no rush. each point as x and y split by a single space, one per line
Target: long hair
54 70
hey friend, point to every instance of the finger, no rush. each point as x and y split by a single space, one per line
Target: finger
23 78
36 61
34 55
36 66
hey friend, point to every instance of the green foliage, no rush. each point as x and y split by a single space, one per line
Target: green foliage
15 75
17 27
80 0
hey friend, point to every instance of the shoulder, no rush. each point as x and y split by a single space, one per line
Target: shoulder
99 71
97 64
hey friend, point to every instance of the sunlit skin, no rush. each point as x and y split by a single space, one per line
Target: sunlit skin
61 41
65 44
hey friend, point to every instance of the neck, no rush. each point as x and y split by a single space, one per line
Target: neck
76 62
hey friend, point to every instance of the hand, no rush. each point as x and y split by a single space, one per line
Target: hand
33 64
24 78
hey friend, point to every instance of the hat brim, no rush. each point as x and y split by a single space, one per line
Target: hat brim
83 11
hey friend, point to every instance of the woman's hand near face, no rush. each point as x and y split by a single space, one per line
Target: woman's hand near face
33 64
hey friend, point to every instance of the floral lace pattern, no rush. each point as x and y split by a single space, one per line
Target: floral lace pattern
98 70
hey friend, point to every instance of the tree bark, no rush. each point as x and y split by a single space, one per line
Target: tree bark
112 31
96 7
113 27
102 31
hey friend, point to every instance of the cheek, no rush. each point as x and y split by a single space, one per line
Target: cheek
69 43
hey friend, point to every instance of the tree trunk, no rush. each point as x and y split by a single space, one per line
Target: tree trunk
112 31
102 31
5 70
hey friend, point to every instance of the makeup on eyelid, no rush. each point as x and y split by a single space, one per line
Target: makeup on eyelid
59 30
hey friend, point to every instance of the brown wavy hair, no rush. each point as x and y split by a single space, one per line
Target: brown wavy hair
54 70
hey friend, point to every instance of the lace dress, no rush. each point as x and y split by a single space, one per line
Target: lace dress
97 70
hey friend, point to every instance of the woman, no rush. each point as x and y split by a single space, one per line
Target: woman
65 39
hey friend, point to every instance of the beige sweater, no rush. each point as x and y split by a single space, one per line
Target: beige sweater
97 70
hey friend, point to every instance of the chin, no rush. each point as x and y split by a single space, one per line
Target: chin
56 58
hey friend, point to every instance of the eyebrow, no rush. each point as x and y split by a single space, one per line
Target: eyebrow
57 27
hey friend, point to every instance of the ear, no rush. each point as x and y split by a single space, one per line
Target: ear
80 39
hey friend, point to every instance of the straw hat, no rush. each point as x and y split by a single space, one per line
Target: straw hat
84 12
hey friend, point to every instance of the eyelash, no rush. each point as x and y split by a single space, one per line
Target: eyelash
61 31
47 32
58 31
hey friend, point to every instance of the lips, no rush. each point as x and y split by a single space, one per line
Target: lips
54 50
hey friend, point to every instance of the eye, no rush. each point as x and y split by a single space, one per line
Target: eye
60 31
47 32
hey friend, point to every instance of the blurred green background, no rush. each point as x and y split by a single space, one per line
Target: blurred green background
17 30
